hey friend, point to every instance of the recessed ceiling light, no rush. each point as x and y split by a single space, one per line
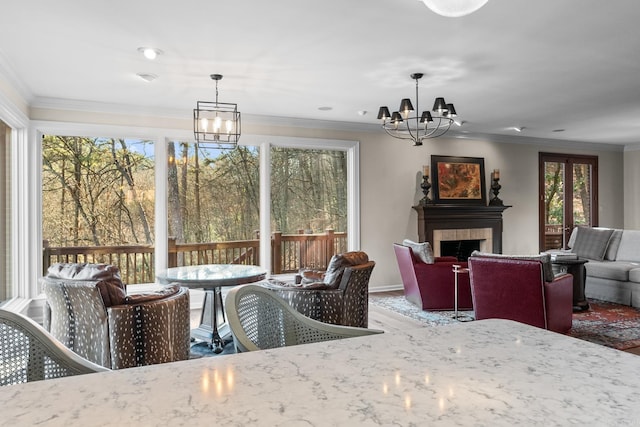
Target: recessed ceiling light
147 77
558 130
150 52
325 108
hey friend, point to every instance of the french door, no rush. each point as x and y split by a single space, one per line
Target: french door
568 194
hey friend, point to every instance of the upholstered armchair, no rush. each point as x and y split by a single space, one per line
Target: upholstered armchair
338 296
432 286
89 311
523 289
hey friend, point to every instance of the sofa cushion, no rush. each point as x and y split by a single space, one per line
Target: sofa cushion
629 249
610 270
614 244
154 295
634 275
545 259
422 251
106 276
591 243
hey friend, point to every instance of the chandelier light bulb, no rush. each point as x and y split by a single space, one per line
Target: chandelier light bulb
229 126
454 8
217 124
204 124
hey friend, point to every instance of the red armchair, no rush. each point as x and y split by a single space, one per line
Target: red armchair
431 286
516 289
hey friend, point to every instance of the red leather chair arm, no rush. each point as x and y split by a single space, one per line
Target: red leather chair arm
559 302
438 279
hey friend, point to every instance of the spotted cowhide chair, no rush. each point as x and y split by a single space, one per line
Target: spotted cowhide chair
89 311
340 295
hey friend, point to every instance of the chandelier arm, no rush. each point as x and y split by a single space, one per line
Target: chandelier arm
396 135
440 129
416 137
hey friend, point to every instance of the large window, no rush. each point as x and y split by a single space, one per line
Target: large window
308 207
213 199
146 204
98 203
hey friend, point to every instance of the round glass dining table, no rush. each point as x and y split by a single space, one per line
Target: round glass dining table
212 277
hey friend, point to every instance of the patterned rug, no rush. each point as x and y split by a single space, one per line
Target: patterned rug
612 325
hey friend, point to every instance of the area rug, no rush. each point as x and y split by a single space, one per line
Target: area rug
612 325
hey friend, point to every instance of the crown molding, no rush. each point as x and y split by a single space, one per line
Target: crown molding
255 119
7 73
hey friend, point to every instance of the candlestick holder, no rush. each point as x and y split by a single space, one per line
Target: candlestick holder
426 186
495 189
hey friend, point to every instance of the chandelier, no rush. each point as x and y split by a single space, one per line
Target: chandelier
402 125
454 8
217 122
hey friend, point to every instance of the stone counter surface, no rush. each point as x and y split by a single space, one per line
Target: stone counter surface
484 373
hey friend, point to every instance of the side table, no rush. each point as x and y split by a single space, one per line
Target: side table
576 268
457 269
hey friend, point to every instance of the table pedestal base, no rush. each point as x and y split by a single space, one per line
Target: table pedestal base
213 327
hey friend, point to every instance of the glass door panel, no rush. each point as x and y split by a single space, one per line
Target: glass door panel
568 191
554 223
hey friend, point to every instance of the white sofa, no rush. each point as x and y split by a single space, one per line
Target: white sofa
613 270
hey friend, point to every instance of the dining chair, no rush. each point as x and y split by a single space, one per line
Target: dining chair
29 353
259 319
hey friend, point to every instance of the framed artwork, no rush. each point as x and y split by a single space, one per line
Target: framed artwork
458 180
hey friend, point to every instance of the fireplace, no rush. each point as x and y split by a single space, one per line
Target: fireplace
452 223
461 249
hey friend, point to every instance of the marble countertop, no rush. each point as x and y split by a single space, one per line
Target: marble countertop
484 373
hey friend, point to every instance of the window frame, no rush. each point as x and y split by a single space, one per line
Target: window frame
29 265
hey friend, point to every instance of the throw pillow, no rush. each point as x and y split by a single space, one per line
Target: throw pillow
591 243
336 266
422 251
545 259
105 276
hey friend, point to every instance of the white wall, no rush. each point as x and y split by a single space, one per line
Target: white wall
632 189
390 179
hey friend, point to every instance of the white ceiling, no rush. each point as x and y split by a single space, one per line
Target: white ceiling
542 65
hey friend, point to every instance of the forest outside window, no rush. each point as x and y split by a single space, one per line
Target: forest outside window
98 198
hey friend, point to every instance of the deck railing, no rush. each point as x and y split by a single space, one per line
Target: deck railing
289 252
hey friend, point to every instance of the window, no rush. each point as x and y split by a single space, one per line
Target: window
308 207
213 199
98 199
146 204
